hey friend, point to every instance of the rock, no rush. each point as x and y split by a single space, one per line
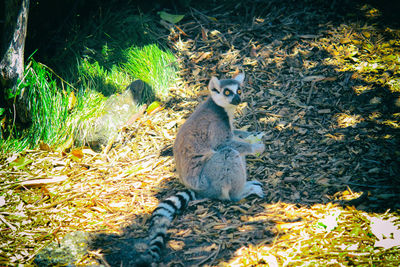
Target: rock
65 253
117 111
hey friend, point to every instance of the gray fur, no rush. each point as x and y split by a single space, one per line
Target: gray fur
210 158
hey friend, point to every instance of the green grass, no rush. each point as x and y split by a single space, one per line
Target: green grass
48 106
148 63
96 50
102 56
97 77
153 66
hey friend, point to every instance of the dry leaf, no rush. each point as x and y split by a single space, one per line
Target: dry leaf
77 152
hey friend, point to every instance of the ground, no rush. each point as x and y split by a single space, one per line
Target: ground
321 87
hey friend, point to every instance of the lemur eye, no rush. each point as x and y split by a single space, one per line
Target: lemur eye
239 92
227 92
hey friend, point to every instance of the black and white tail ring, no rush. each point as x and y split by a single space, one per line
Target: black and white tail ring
160 221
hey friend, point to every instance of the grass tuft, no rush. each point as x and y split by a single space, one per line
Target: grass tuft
48 105
153 66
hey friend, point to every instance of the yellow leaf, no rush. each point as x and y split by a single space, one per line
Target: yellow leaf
71 101
44 146
77 152
20 163
176 244
345 40
366 34
153 107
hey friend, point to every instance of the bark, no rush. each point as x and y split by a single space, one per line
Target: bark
12 63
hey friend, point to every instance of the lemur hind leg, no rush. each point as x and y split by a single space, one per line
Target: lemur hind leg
224 177
250 188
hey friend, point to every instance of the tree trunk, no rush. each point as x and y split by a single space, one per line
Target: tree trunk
12 63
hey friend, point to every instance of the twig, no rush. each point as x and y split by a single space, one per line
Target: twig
12 227
310 92
39 182
212 255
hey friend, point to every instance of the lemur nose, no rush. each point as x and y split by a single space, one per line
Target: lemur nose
236 100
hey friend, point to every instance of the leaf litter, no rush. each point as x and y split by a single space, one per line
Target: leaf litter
331 165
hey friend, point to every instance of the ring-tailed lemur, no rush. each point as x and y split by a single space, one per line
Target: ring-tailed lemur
210 160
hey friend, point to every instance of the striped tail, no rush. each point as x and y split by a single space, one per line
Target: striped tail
160 220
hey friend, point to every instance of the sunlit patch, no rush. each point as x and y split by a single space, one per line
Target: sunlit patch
328 223
360 89
259 20
392 123
253 256
183 46
370 11
336 136
345 120
281 125
268 120
375 115
386 231
394 85
347 195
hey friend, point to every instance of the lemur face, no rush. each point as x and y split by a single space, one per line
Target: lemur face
226 93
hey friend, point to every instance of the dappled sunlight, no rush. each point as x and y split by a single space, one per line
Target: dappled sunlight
346 120
370 11
321 235
372 54
392 123
347 195
360 89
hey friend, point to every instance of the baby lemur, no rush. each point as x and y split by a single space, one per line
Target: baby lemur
210 160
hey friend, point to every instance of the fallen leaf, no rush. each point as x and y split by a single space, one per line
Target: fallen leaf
171 18
308 36
324 111
204 34
253 51
153 107
20 163
313 78
77 153
44 146
176 245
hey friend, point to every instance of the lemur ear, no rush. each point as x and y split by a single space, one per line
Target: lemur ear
214 85
240 78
